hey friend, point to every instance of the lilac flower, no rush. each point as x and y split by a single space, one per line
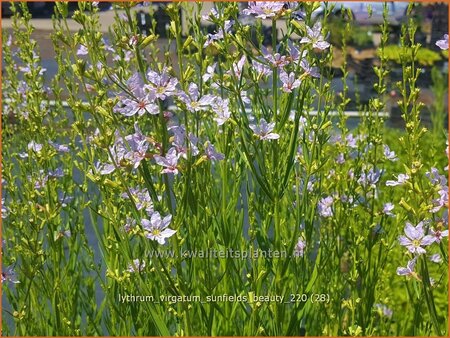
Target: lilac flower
9 275
437 234
103 168
324 206
264 130
209 72
64 199
213 14
384 311
61 148
163 84
157 228
4 209
275 60
41 180
315 37
441 201
351 141
129 225
210 38
221 108
141 198
137 147
340 159
58 172
82 50
436 258
193 101
409 269
401 179
36 147
141 103
212 154
136 266
294 53
170 162
435 178
264 9
261 69
443 44
370 178
415 238
311 71
289 81
387 208
299 249
238 67
180 144
61 234
389 155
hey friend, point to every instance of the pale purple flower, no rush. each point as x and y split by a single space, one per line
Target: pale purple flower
435 178
238 67
311 71
213 14
157 228
340 159
383 310
370 178
169 162
212 154
129 224
415 238
142 102
180 141
209 72
137 147
315 37
436 258
275 60
294 53
261 69
351 141
389 155
103 168
264 130
58 172
443 44
210 38
387 209
61 148
264 9
136 266
193 101
36 147
299 249
141 198
325 206
82 50
221 108
409 269
4 209
438 234
289 81
9 275
441 201
64 199
401 179
163 84
41 180
61 234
